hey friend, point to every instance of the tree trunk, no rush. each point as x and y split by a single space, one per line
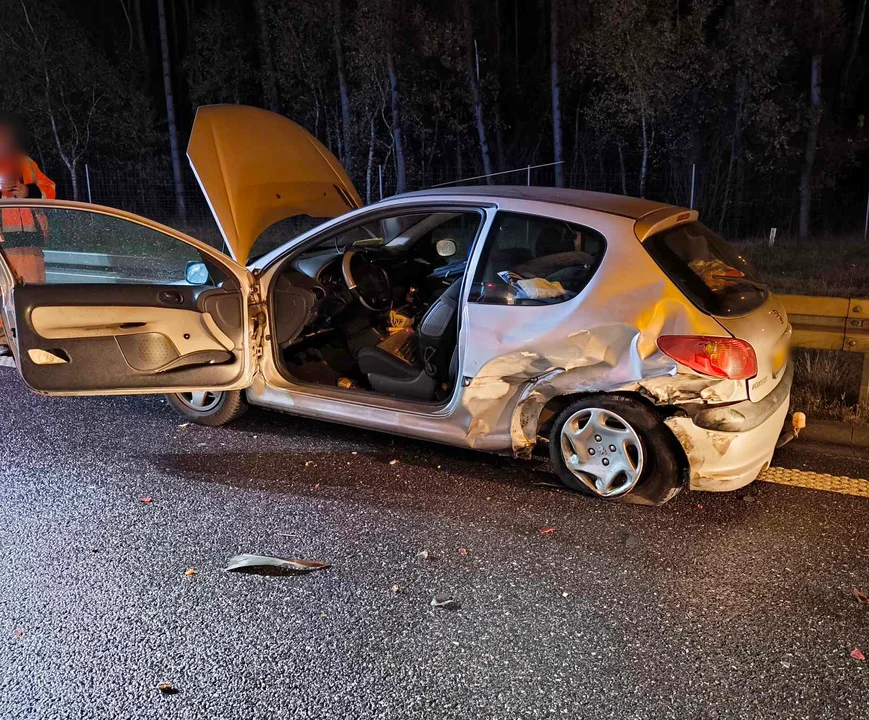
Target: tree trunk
370 165
557 143
471 61
644 163
342 86
142 45
501 150
180 200
856 29
735 143
400 167
811 148
622 168
271 97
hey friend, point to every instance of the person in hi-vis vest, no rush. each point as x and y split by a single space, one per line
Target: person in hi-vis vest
22 230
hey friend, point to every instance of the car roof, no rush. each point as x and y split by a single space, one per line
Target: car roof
624 205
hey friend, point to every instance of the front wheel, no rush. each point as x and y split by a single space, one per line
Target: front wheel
209 408
616 448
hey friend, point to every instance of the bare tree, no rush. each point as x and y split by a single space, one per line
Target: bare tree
856 30
343 91
472 65
811 146
271 96
557 142
72 145
397 139
174 149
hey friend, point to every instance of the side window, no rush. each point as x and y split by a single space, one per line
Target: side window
62 245
532 260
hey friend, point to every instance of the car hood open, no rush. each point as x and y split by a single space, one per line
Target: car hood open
257 167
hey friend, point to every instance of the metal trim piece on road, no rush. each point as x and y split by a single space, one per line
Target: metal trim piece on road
817 481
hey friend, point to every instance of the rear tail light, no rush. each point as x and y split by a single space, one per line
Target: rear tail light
715 356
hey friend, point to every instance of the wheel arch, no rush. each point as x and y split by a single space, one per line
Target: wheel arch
534 415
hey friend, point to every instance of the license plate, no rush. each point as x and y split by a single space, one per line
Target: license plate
779 358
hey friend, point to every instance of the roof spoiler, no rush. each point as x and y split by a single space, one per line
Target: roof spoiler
658 220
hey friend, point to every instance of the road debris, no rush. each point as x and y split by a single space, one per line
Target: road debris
463 551
395 589
308 463
422 556
393 462
146 500
182 426
857 654
267 565
167 688
862 597
445 602
546 530
17 633
190 572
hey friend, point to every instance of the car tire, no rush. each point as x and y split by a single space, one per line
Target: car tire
654 469
214 409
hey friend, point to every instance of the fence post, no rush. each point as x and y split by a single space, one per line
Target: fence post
693 169
528 180
87 177
380 179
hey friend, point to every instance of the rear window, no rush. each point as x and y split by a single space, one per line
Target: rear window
711 273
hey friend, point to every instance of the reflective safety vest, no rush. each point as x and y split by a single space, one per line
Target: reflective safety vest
25 219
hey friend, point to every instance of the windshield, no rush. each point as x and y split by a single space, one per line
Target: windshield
711 273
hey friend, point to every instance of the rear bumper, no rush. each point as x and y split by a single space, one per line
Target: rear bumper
727 448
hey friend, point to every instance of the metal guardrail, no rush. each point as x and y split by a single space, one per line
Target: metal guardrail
828 323
72 267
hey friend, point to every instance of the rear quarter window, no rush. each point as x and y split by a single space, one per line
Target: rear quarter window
710 271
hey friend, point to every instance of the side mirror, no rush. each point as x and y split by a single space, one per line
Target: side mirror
446 248
196 273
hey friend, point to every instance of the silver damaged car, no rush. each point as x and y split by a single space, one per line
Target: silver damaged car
618 335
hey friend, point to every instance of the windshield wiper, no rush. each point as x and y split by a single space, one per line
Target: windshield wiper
744 280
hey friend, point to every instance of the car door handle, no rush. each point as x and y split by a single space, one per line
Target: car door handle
171 297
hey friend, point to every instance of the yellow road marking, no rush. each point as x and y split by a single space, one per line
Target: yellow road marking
817 481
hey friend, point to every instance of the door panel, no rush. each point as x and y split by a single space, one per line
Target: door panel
125 335
132 323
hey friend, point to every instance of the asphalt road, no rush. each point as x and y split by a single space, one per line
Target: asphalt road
711 607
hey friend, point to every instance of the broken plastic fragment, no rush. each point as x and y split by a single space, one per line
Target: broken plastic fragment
446 602
422 556
308 463
857 654
190 572
145 500
393 462
862 597
463 551
395 589
167 688
547 530
17 633
265 565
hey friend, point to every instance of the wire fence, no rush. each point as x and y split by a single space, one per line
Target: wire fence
747 210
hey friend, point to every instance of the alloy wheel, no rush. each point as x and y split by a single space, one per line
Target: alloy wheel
201 401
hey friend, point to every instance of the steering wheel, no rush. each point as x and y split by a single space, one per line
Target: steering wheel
368 282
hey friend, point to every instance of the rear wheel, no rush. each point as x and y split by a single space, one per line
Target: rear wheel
209 408
616 448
